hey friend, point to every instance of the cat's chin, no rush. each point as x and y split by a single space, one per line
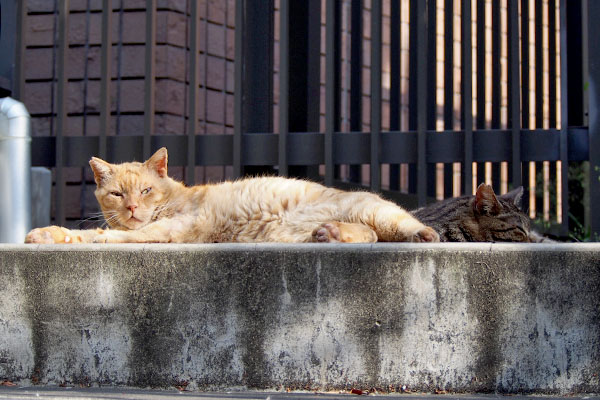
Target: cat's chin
133 224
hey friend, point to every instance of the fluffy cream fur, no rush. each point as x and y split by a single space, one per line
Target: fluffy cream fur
141 204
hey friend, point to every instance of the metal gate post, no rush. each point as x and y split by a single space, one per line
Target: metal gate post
15 171
257 76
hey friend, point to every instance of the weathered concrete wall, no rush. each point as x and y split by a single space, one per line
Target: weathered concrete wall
473 317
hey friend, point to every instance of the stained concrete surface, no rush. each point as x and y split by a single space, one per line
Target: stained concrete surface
518 318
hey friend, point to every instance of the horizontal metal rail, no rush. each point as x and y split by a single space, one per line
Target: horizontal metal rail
309 148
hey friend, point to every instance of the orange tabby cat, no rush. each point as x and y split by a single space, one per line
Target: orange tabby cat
142 204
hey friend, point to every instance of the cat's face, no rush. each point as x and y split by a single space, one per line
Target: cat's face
501 218
131 194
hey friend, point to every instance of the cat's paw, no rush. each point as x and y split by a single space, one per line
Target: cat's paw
427 235
326 233
50 235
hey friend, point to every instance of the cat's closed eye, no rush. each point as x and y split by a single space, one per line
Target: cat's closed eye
116 194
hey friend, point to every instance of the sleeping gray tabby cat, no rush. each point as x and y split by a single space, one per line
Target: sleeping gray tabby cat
484 217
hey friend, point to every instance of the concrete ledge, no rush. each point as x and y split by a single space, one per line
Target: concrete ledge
461 317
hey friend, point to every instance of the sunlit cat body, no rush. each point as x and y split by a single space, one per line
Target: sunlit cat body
142 204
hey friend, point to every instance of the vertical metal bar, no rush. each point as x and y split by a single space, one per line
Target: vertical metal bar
481 47
190 176
480 79
539 99
552 96
552 62
431 65
496 79
149 80
525 92
356 53
284 69
61 109
375 93
412 66
337 88
238 89
574 15
467 96
105 76
19 84
413 94
304 73
329 89
421 21
258 73
515 104
539 64
593 32
448 64
564 118
395 84
431 88
448 86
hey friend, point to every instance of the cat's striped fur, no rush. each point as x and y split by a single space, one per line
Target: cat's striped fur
484 217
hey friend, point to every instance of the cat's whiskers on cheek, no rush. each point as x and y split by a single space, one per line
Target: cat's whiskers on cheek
91 217
112 219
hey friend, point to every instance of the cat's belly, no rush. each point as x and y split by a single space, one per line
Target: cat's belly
258 230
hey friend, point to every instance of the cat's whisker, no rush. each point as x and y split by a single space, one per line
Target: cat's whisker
95 216
105 221
112 218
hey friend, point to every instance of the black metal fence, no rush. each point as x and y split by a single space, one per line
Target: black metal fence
554 120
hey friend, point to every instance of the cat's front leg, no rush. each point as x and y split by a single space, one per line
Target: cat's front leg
168 230
115 236
59 235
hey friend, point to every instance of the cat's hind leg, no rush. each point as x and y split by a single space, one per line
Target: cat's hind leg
390 222
344 232
393 224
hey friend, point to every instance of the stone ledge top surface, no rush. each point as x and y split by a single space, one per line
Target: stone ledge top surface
306 247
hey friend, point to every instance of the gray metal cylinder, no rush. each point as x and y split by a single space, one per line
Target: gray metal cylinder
15 171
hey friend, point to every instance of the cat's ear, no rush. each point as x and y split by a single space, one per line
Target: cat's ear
102 170
158 162
515 196
486 201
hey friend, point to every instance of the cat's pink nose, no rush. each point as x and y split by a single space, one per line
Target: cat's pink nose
132 208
